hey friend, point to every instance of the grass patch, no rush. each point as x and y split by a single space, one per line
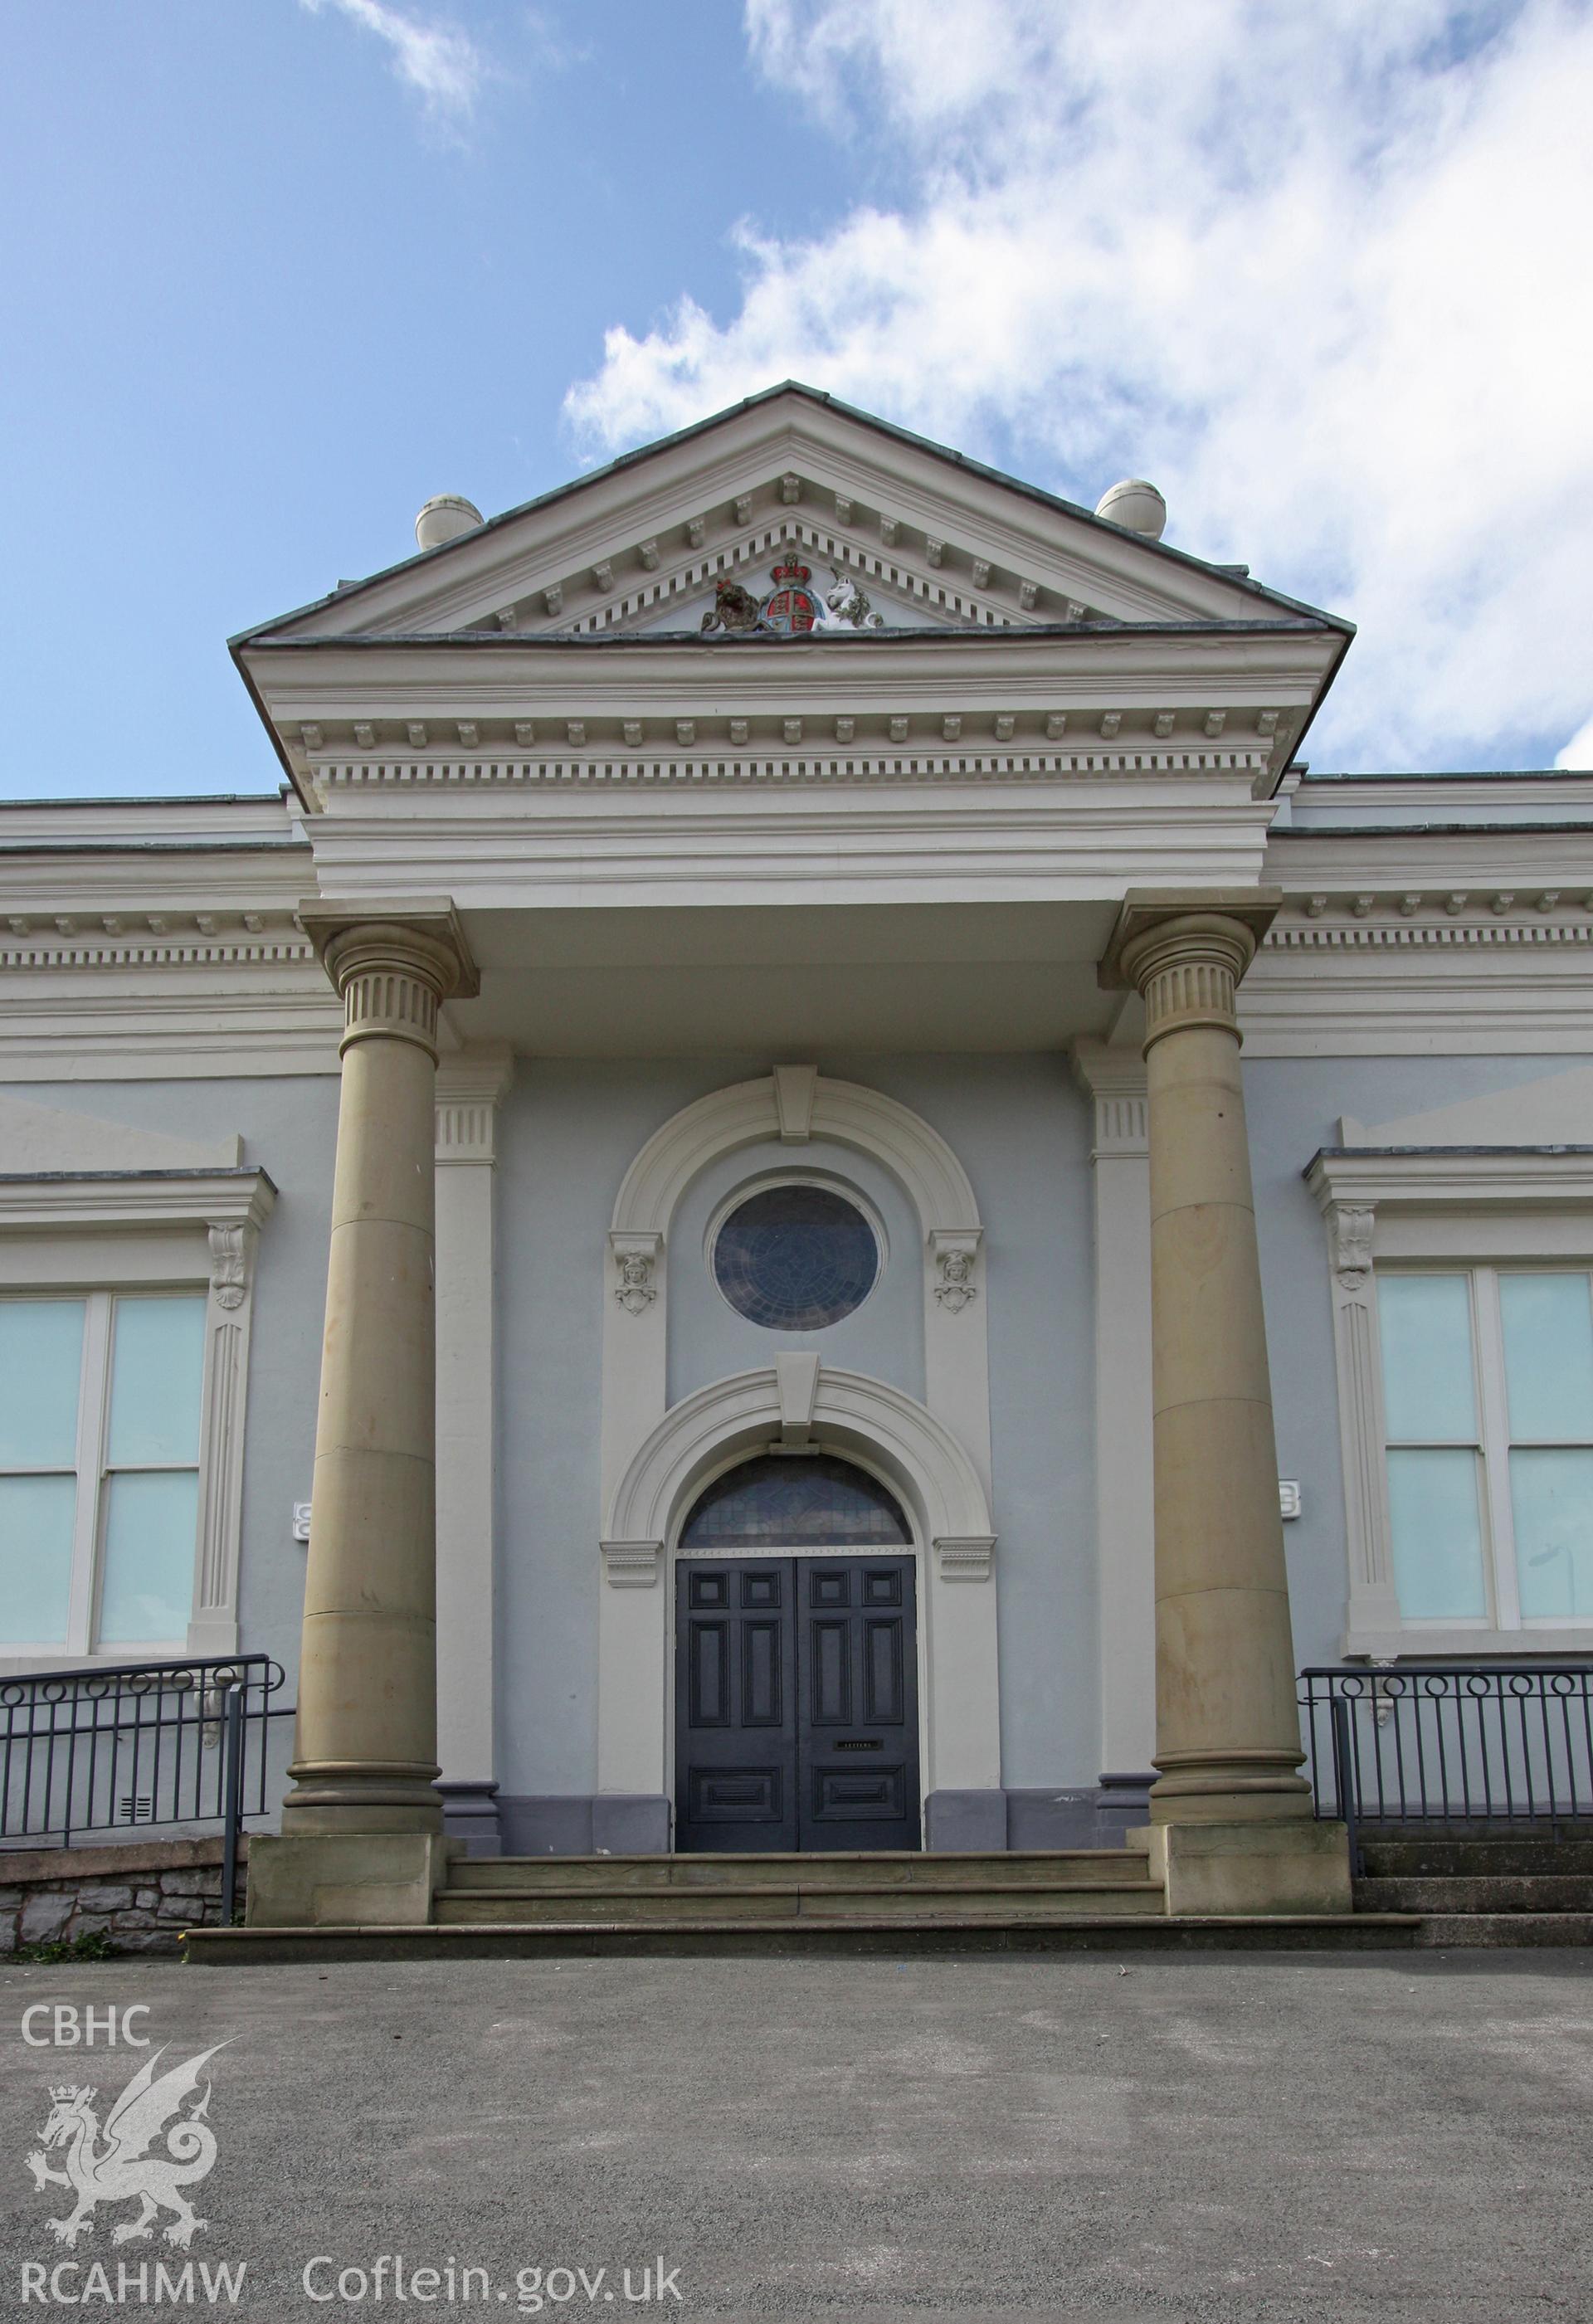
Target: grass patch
94 1946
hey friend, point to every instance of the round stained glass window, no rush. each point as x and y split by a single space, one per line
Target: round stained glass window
796 1258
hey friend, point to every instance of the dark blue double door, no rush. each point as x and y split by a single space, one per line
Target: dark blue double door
797 1703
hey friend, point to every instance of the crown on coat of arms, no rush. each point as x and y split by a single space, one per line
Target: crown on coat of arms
793 569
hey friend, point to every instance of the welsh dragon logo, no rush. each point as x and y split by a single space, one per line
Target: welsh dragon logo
124 2169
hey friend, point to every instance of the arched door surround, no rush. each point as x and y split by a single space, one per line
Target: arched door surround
799 1402
935 1455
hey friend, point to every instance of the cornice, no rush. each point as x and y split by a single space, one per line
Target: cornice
1440 1177
786 768
449 699
1430 924
112 942
1382 868
241 1197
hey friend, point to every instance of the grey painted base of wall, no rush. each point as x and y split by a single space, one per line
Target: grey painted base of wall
470 1814
612 1823
984 1821
607 1823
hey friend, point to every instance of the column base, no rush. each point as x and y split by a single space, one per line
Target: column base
1237 1787
305 1880
336 1799
1260 1868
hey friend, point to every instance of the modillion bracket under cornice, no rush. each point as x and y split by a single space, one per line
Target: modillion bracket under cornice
1190 734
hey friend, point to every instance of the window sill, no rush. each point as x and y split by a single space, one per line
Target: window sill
14 1665
1461 1644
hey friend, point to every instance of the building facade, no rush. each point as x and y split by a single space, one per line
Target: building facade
744 978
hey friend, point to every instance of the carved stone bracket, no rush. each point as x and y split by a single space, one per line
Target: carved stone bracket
632 1564
1349 1231
635 1262
956 1256
966 1557
232 1255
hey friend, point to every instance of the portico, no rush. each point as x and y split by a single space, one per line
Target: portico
1230 1826
555 817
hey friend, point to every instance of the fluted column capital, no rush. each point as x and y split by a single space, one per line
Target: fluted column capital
394 959
1185 952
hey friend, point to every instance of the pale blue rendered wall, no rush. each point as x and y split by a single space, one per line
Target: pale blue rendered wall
1293 1105
290 1130
568 1132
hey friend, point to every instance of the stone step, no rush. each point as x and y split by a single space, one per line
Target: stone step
812 1934
1527 1892
1038 1868
1464 1932
1452 1857
581 1907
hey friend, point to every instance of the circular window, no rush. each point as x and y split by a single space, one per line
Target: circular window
796 1258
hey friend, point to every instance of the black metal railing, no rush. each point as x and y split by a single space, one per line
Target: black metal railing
140 1746
1456 1746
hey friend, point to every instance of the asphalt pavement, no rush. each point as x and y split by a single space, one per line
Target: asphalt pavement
1211 2136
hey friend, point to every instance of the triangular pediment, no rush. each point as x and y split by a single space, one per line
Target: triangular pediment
930 538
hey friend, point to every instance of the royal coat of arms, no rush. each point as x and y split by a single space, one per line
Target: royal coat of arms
791 608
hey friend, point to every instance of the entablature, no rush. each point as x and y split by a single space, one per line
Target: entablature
1081 702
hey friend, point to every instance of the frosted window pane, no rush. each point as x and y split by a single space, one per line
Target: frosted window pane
1437 1537
35 1559
159 1358
40 1362
1548 1355
1551 1494
1427 1377
148 1585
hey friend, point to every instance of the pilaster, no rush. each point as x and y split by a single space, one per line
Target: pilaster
1125 1518
212 1628
470 1084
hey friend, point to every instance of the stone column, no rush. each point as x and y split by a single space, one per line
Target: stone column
361 1828
1230 1811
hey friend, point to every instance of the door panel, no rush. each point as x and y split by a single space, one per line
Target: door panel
857 1742
735 1717
796 1704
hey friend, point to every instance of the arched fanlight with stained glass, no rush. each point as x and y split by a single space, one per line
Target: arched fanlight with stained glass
785 1500
796 1258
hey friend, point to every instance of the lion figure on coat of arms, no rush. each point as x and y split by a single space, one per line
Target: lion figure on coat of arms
734 608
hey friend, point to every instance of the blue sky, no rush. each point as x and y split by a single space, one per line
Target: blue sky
270 273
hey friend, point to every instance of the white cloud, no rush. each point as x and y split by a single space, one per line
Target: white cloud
439 61
1579 752
1319 271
